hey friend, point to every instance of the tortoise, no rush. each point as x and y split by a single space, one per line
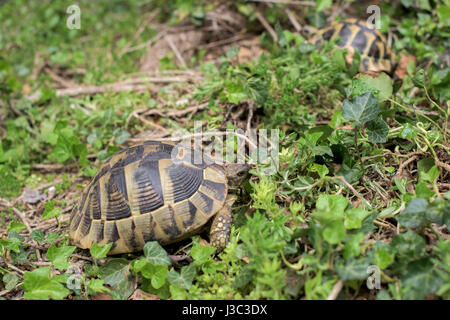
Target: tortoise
376 55
155 192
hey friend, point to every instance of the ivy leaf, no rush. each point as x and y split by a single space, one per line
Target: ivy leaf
377 130
97 286
98 251
353 269
157 274
10 280
330 208
201 253
178 293
361 109
408 132
408 245
383 258
322 170
256 89
39 285
116 273
422 277
334 233
422 191
50 210
184 278
59 256
10 243
419 78
155 254
14 226
235 92
37 235
352 247
414 215
354 218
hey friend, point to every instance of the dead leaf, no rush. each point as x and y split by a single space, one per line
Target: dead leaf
26 88
203 241
401 71
138 294
102 296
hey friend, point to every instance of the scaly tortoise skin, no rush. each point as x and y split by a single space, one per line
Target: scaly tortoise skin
376 55
144 194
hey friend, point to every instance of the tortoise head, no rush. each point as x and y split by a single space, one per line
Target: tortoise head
236 174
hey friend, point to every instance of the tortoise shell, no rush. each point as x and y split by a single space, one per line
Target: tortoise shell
153 191
376 55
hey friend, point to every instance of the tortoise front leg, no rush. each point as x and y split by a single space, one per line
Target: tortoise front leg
221 225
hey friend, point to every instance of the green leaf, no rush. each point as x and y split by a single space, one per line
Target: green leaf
178 293
361 109
232 52
422 191
354 218
323 4
431 175
335 232
50 210
98 251
157 274
59 256
10 280
39 285
37 235
383 258
256 89
116 273
422 278
377 130
381 83
10 243
443 12
184 278
330 208
97 286
353 269
419 78
235 92
414 214
14 226
352 247
155 254
322 170
201 253
359 87
408 245
121 135
408 132
383 295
